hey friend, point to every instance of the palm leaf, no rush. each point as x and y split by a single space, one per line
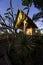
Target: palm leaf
11 3
25 8
6 13
2 18
38 4
11 14
8 17
27 11
37 16
8 9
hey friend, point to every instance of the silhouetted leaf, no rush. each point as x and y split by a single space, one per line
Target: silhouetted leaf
2 18
38 4
37 16
8 17
25 8
11 14
8 9
6 13
27 11
11 3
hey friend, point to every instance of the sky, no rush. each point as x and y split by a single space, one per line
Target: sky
4 4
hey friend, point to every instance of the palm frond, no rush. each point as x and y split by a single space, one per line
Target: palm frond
2 18
25 8
6 13
11 14
8 9
8 17
11 3
27 11
37 16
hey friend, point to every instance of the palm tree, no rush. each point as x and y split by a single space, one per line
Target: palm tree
38 16
38 4
10 15
28 4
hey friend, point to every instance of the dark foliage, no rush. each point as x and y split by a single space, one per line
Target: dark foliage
24 50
